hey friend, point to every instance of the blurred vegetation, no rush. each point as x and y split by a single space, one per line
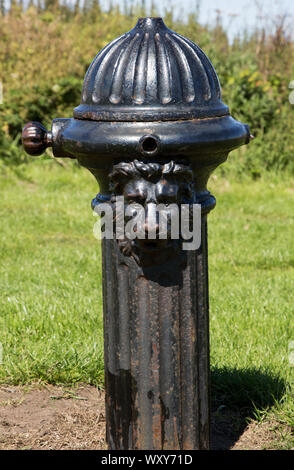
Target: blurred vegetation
47 48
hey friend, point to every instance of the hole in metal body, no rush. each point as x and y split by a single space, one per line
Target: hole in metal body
149 144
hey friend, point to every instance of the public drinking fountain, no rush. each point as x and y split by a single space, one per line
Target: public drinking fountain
151 127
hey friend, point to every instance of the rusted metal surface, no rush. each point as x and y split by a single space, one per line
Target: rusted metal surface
156 322
151 127
156 351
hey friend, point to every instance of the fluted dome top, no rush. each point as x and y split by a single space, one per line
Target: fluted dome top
148 74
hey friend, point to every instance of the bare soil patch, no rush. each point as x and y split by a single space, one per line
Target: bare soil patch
51 417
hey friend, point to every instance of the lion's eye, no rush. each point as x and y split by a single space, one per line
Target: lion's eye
185 193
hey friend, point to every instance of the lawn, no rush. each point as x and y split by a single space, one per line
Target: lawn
51 298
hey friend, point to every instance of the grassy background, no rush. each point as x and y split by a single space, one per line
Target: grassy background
50 277
50 266
51 299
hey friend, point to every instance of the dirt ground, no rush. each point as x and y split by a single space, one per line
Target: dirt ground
51 417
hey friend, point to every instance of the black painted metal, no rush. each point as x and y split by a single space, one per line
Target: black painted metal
156 351
151 121
149 74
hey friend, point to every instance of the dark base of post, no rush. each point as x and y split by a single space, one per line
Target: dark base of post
156 350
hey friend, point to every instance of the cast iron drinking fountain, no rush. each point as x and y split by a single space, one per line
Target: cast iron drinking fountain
151 127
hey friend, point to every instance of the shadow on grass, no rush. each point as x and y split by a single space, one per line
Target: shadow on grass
236 395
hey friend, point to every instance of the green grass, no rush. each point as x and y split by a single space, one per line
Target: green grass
251 260
51 299
51 313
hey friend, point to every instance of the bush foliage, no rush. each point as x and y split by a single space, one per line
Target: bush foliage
45 52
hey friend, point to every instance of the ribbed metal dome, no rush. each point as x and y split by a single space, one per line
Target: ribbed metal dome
150 73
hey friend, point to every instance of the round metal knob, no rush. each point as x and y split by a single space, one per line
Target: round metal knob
35 138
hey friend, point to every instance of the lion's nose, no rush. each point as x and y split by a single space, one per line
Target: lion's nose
150 227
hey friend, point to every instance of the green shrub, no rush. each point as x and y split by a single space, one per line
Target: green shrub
44 56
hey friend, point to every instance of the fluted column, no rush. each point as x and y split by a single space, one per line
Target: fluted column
156 337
